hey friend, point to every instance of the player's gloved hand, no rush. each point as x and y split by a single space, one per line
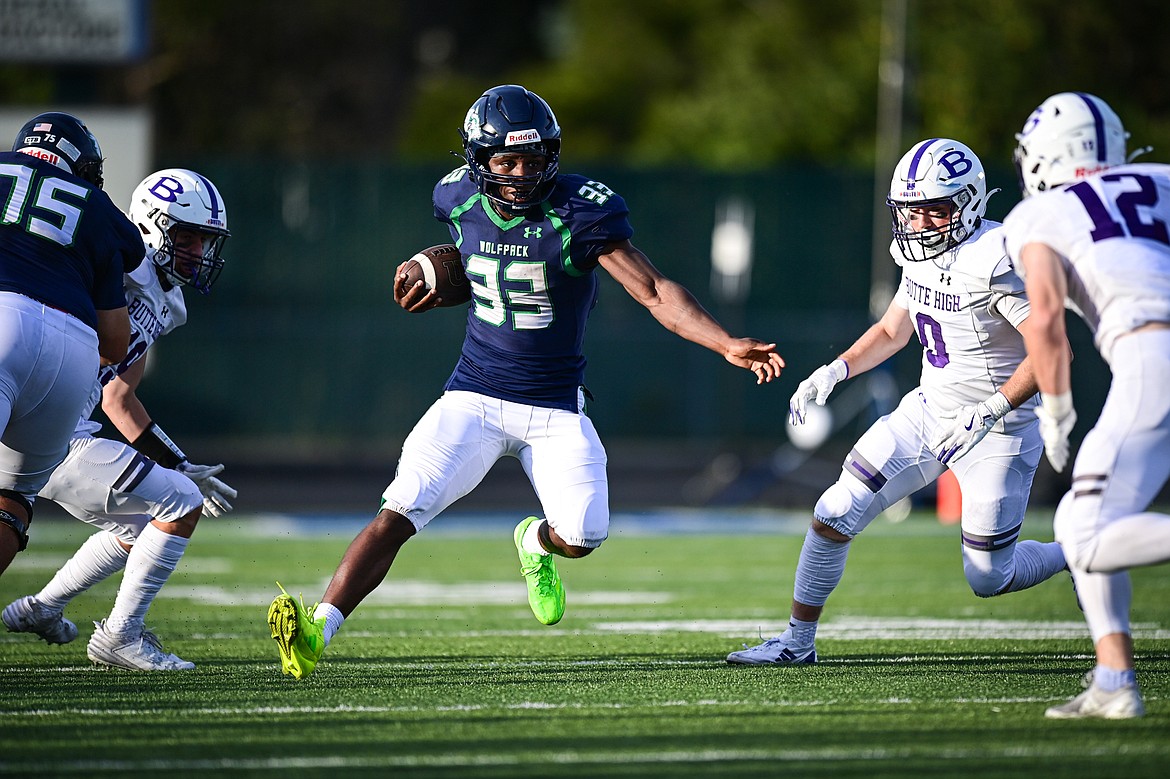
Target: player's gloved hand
215 493
817 386
966 426
1057 418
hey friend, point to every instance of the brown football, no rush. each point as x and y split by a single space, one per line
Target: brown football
441 269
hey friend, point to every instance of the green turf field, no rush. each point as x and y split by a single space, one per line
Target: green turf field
443 672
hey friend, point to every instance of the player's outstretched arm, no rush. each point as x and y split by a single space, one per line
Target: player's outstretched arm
881 341
678 311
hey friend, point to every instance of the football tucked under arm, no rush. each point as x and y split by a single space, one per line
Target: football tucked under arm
440 269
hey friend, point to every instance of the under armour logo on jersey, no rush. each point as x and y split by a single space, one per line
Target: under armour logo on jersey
944 279
533 232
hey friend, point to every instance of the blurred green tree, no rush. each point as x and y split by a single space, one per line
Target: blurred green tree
720 84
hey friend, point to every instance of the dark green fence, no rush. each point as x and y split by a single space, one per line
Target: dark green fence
300 345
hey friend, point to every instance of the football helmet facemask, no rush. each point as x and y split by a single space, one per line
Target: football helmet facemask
1069 136
178 198
511 119
937 172
63 140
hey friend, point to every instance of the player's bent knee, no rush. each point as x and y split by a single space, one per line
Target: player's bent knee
839 507
824 531
986 584
987 574
14 519
393 526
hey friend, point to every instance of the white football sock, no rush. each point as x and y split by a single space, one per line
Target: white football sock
1111 679
333 619
1034 562
1129 542
821 566
803 633
99 557
531 540
152 560
1105 599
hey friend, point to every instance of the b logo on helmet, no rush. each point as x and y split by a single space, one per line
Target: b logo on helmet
956 163
167 189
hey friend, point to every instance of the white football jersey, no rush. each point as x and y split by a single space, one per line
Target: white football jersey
1112 232
965 307
154 312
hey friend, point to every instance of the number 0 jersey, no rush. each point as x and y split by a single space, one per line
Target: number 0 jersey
64 242
1111 230
154 312
532 286
965 306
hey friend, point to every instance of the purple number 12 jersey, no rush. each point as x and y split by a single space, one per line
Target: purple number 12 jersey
532 286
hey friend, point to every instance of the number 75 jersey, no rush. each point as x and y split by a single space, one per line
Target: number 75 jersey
1111 230
965 307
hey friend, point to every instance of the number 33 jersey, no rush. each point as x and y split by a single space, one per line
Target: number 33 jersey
965 307
532 285
1111 232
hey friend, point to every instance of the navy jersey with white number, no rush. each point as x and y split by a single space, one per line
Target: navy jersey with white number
532 286
64 242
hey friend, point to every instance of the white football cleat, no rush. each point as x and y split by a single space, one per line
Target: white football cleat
775 651
1123 703
141 651
26 615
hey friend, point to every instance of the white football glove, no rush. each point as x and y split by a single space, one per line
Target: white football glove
1057 418
817 386
966 426
215 492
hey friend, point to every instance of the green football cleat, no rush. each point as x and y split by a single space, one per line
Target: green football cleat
546 594
300 639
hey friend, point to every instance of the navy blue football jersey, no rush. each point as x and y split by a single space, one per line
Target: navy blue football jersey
64 242
532 285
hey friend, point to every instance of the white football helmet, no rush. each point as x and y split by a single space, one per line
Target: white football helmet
936 172
1069 136
181 198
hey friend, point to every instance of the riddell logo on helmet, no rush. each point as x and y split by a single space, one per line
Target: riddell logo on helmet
521 136
43 154
1083 172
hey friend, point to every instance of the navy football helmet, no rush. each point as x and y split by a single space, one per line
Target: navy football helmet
510 118
65 141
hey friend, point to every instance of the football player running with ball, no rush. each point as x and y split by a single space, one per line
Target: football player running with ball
973 411
1093 234
531 239
146 513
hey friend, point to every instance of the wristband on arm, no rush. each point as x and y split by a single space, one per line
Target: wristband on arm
156 445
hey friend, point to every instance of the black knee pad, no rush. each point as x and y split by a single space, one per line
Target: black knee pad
18 525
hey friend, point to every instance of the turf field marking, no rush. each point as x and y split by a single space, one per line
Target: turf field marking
871 628
410 592
834 753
